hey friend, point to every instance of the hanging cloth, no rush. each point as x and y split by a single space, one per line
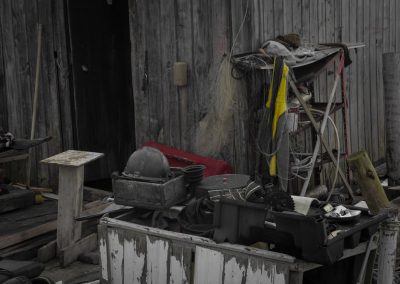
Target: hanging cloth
277 107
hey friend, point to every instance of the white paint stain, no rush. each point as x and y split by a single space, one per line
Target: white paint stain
209 265
116 257
134 261
177 270
234 271
104 259
157 261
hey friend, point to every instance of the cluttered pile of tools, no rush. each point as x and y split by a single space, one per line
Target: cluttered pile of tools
234 208
313 223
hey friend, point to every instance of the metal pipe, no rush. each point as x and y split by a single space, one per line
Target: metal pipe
322 130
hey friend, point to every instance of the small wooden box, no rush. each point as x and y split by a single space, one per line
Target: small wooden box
149 195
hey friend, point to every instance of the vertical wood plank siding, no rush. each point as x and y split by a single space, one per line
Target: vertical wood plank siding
213 26
18 44
199 33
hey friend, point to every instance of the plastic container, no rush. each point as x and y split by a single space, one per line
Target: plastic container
311 239
235 221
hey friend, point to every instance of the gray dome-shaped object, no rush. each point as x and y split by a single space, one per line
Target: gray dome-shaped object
147 162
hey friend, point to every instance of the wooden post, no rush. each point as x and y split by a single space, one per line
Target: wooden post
391 80
70 194
387 251
35 100
366 177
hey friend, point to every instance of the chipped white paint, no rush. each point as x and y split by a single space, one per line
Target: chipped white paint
209 266
134 261
280 277
387 250
157 260
103 258
234 271
177 269
260 273
138 254
116 256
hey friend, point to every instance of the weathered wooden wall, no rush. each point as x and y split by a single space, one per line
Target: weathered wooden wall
85 97
18 45
200 32
374 22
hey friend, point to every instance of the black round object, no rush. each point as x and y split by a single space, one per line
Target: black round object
147 162
193 174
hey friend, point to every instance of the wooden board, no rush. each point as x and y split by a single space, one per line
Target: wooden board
70 205
135 254
15 238
73 158
21 220
24 224
47 252
199 34
69 254
251 23
17 198
18 25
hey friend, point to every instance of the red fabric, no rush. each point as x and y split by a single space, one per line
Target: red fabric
179 158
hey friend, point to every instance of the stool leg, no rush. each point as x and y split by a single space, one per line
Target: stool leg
70 192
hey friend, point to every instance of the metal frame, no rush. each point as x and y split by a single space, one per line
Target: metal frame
339 59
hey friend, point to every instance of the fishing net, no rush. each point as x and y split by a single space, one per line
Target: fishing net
215 132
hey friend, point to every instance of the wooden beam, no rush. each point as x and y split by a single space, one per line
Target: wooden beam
368 181
70 190
69 254
92 194
16 238
17 198
47 252
18 157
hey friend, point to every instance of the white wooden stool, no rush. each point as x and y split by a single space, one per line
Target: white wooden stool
70 194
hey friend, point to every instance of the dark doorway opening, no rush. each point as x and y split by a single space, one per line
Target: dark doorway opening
103 101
